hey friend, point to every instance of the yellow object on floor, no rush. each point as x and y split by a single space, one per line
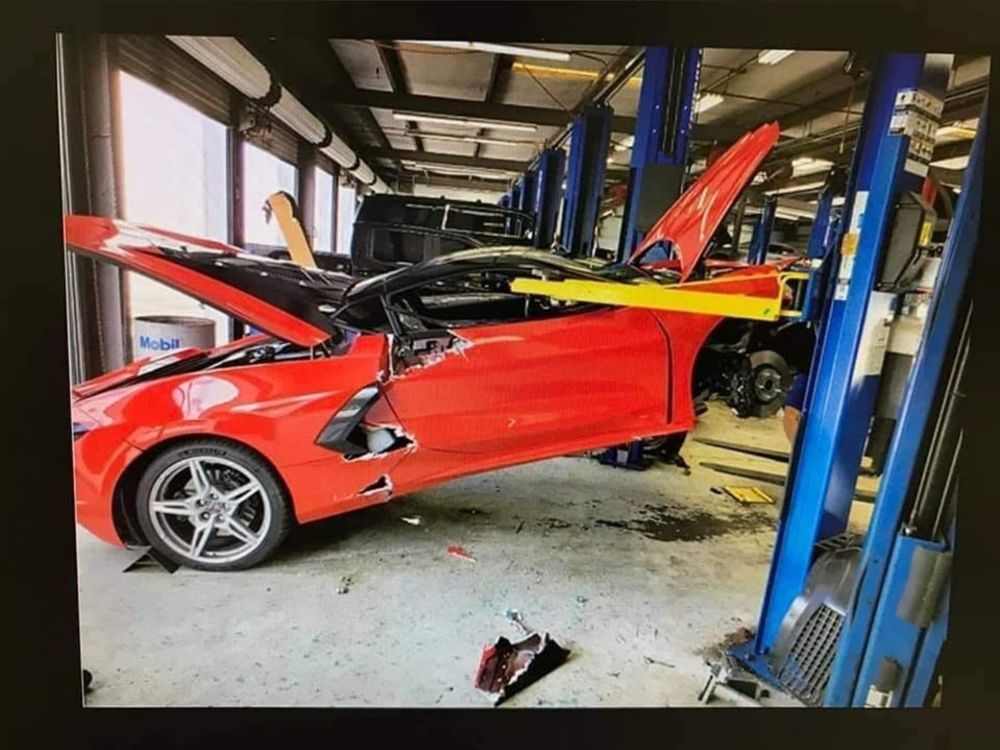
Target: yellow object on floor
747 495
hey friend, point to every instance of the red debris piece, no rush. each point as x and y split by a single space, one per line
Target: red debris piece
460 552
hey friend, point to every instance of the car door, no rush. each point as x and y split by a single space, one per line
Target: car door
502 372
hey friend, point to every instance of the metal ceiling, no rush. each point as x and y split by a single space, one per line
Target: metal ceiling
369 86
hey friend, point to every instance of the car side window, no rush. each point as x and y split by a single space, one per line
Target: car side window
479 297
471 298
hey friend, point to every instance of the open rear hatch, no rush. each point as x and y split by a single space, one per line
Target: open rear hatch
279 297
693 218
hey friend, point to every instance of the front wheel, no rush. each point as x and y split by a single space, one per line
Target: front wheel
211 505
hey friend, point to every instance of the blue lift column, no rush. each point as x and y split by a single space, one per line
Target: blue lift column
588 154
843 383
660 147
548 195
526 194
902 562
821 248
515 193
760 240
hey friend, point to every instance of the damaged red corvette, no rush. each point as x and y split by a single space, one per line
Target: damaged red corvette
366 390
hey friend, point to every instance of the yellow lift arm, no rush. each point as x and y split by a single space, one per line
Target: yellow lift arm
282 206
700 297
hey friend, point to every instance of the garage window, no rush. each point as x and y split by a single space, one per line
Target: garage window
174 177
347 205
323 212
263 175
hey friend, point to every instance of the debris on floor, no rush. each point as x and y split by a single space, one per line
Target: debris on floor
412 520
717 651
651 660
345 584
460 552
506 668
744 494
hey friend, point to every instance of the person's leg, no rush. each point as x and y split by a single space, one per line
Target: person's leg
790 421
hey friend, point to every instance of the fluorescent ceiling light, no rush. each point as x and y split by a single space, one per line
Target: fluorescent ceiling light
625 145
459 138
547 71
808 165
787 212
773 56
796 188
484 172
464 122
499 49
958 162
705 102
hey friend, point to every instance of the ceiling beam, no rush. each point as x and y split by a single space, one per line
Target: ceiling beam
450 107
388 55
458 160
295 63
495 87
462 183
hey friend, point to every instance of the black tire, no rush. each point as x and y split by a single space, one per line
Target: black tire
770 379
264 513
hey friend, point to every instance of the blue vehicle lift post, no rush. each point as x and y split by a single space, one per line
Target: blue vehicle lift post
515 193
898 554
656 173
588 153
526 193
660 146
760 240
844 378
548 195
820 251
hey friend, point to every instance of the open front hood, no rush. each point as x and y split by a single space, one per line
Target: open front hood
279 297
692 220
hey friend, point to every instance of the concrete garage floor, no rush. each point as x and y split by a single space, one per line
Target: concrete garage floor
640 574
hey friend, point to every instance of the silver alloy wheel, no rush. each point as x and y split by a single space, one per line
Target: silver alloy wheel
209 509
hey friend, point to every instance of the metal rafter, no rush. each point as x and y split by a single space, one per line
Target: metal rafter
458 160
295 63
393 66
495 88
451 107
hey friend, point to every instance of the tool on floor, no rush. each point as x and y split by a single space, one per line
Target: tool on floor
745 494
864 496
729 681
506 668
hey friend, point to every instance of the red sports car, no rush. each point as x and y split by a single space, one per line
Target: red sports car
366 390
